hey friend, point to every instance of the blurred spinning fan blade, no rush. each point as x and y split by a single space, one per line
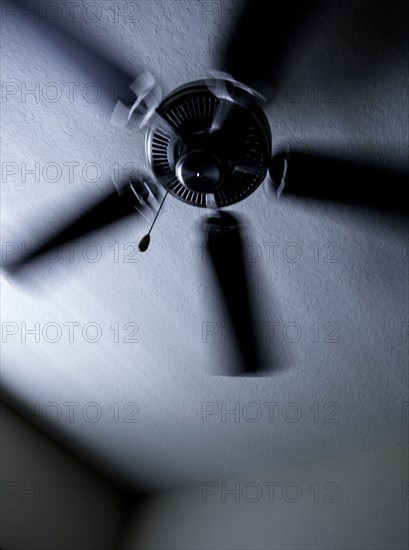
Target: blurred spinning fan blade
256 50
227 259
321 177
136 197
120 90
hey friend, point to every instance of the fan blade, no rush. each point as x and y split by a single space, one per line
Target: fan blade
117 87
322 177
132 198
226 254
256 52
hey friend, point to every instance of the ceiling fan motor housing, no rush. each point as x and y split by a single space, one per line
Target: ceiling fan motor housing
209 151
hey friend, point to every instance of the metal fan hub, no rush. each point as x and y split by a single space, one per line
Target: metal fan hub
199 171
209 150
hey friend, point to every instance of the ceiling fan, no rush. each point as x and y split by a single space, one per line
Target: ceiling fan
209 144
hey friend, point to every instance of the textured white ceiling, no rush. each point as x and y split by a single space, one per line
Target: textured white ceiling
167 377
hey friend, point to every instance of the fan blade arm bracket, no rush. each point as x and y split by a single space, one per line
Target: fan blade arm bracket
147 94
277 173
218 85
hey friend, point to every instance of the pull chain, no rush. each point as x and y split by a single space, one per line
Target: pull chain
145 241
